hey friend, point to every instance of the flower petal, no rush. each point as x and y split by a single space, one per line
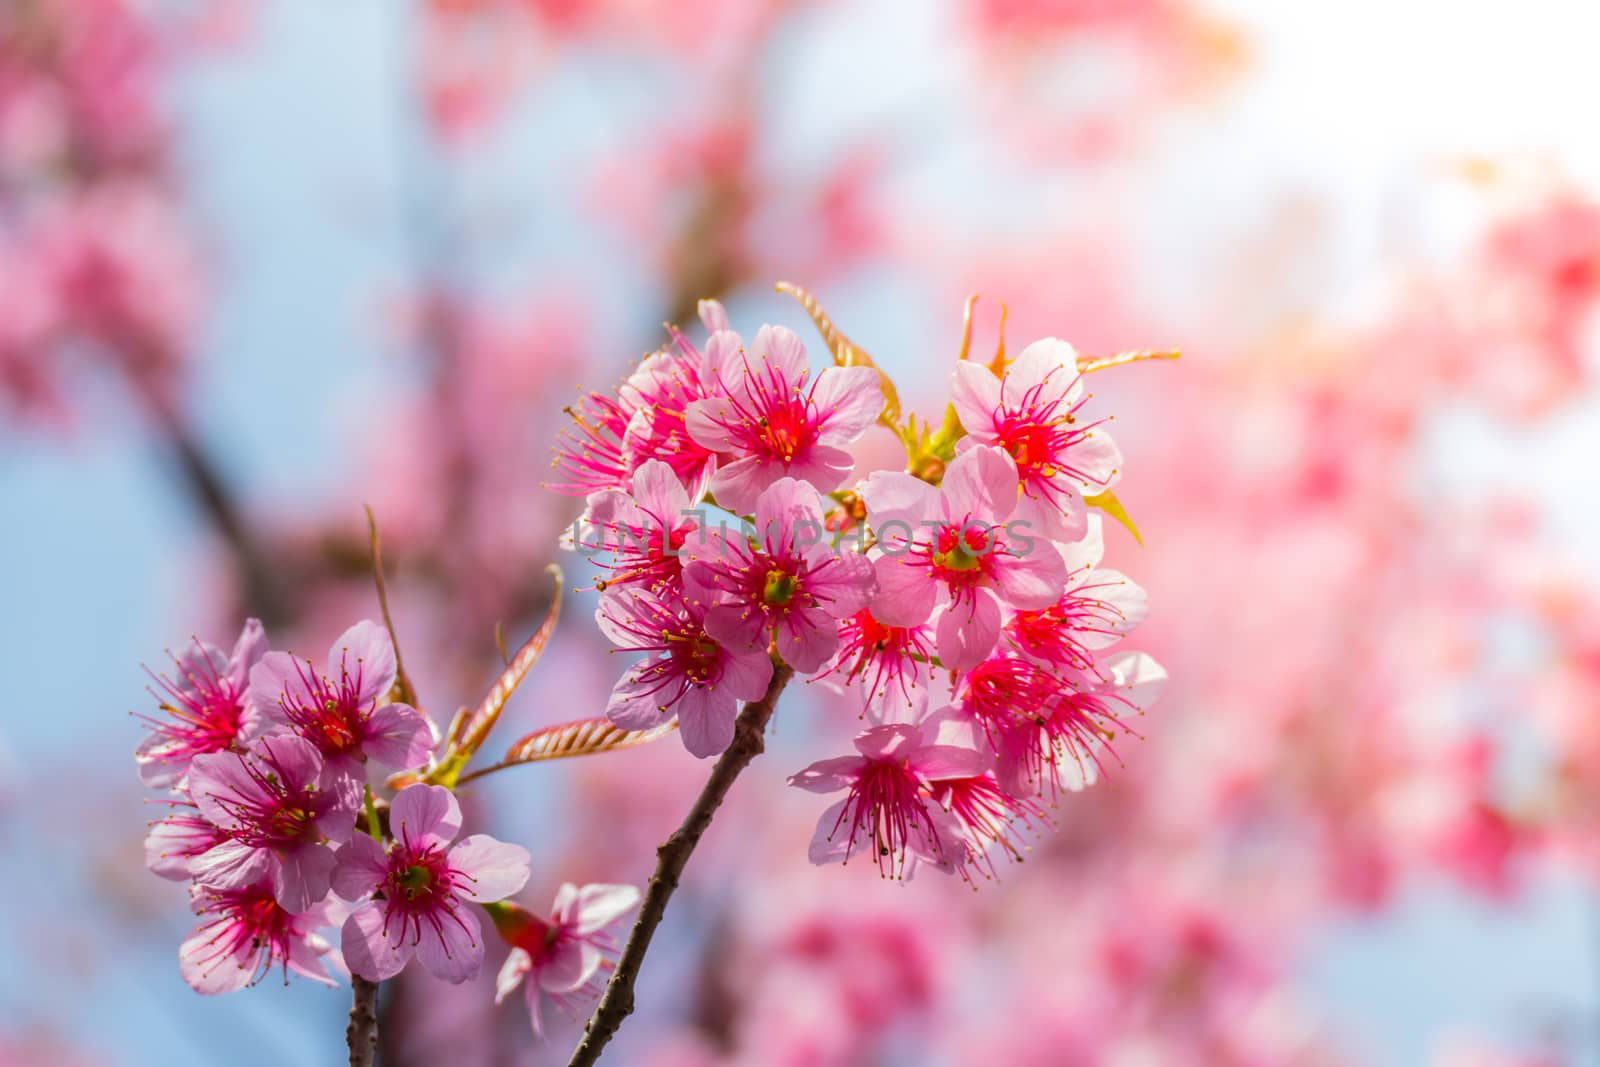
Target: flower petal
495 870
425 814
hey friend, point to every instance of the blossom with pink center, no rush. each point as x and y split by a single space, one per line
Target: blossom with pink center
427 885
775 419
277 817
204 705
174 842
957 547
786 579
1032 413
889 808
886 660
643 530
563 957
344 711
687 672
613 435
245 932
1099 607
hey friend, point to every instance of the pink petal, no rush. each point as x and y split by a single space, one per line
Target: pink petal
568 967
783 507
512 972
898 496
807 639
830 841
303 877
425 814
247 652
275 679
601 905
658 492
780 348
975 392
738 485
842 584
981 482
360 867
736 627
367 951
1032 582
705 720
231 865
308 956
746 675
366 651
906 591
200 966
453 951
937 762
1098 459
494 869
636 704
829 775
825 466
713 316
1047 369
849 399
967 632
708 420
398 737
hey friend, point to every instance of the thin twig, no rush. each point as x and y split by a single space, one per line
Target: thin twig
403 687
362 1033
617 1002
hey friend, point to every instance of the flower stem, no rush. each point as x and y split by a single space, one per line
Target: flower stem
671 858
362 1033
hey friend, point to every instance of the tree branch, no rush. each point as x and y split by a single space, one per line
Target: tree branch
362 1033
673 855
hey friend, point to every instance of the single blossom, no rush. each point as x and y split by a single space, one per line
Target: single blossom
277 817
344 711
245 932
427 887
613 435
787 579
643 531
775 419
565 956
956 547
204 706
687 673
889 809
1032 413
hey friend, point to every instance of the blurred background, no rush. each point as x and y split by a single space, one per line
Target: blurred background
262 263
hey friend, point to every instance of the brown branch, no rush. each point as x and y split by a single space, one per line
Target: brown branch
362 1033
673 855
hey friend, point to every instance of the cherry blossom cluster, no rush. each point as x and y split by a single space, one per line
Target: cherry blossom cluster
960 600
273 766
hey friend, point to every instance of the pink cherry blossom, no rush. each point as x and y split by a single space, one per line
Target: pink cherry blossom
644 530
204 706
344 711
277 817
613 435
775 419
426 885
786 579
1031 413
244 932
566 956
687 673
952 546
888 809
